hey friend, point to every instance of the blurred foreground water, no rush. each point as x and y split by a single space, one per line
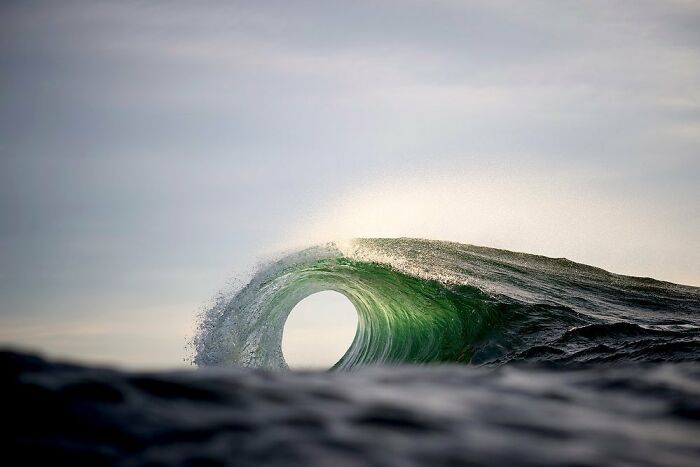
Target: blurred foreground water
631 414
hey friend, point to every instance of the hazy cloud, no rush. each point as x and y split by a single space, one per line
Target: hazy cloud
150 149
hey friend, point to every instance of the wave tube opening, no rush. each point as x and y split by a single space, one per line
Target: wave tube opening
319 331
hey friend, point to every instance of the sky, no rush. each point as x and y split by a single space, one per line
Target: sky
152 153
319 331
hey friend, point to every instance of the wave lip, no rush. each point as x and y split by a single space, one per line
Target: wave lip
423 301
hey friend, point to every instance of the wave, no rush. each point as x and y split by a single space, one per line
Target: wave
425 301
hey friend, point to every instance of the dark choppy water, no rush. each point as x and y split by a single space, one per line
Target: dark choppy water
631 414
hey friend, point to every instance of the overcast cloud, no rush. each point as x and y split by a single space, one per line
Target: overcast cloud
149 151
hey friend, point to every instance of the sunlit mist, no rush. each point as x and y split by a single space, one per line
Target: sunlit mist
558 214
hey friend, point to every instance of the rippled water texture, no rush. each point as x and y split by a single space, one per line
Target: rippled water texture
633 414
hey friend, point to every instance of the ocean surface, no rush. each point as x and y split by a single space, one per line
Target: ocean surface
445 415
463 355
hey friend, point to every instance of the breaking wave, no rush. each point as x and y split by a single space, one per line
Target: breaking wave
425 301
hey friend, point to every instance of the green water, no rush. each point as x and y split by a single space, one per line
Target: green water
421 301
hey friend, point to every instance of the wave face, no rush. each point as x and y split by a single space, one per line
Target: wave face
424 301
